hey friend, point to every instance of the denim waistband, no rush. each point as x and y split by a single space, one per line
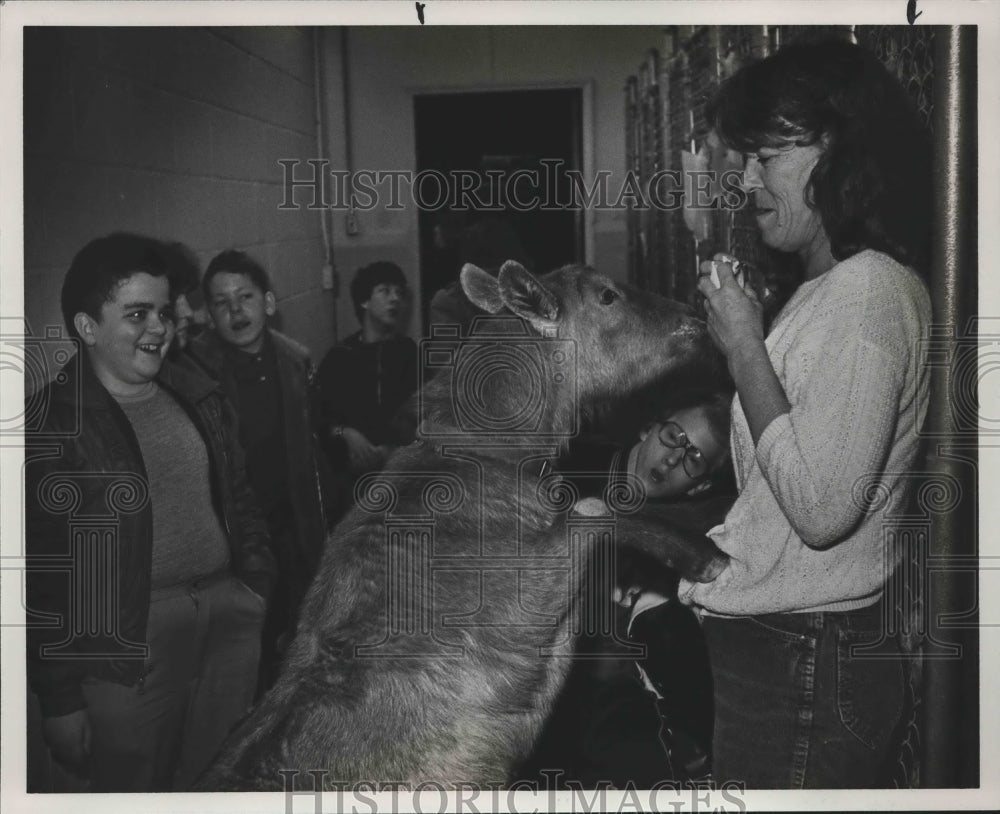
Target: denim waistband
870 618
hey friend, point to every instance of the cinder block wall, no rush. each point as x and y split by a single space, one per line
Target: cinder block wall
174 133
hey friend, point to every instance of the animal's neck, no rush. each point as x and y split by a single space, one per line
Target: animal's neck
506 408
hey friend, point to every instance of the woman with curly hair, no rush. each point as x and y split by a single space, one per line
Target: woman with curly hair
808 686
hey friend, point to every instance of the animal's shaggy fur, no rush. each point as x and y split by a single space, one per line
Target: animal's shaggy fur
429 645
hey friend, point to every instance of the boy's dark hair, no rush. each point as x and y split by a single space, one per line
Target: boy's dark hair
183 266
100 266
233 261
717 405
381 272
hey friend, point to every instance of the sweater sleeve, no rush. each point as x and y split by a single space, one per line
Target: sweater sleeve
847 385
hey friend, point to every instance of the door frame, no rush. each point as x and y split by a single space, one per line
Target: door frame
586 217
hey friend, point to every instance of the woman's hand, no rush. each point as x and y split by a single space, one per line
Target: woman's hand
735 315
736 324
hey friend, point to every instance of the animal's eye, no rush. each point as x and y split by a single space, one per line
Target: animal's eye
608 296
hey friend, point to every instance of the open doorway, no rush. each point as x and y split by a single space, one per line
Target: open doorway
495 135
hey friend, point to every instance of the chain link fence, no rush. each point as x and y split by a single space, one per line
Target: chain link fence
665 116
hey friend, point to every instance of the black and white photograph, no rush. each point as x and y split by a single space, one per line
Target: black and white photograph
488 406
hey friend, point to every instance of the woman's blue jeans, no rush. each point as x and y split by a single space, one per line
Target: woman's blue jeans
804 700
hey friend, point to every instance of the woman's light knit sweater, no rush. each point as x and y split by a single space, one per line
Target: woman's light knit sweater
812 528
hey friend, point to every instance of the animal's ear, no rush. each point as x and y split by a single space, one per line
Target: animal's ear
527 297
481 289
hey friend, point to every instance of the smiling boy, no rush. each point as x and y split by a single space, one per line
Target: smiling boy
157 619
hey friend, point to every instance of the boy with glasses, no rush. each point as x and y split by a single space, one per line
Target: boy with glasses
605 726
678 455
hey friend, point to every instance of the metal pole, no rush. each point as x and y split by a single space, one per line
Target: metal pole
950 685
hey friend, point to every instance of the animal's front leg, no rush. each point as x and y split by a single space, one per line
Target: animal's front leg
672 533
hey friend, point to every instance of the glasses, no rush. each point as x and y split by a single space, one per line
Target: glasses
694 463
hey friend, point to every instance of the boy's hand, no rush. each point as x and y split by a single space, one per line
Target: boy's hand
68 738
363 455
592 507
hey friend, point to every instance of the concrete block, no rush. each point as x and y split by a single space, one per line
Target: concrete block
291 102
48 102
291 224
238 146
299 265
255 86
36 179
42 285
132 199
282 225
143 54
75 209
254 99
144 137
308 318
288 48
82 44
201 66
118 122
440 56
267 197
188 209
191 129
100 103
282 144
239 201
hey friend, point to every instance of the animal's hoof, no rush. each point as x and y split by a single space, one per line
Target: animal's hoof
592 507
716 566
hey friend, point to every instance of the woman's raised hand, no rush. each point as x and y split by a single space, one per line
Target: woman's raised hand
735 314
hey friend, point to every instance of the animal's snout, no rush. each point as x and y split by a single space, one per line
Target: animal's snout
689 331
692 328
685 320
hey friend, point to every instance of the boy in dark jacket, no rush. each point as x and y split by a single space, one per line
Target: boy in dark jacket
268 377
148 565
364 381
